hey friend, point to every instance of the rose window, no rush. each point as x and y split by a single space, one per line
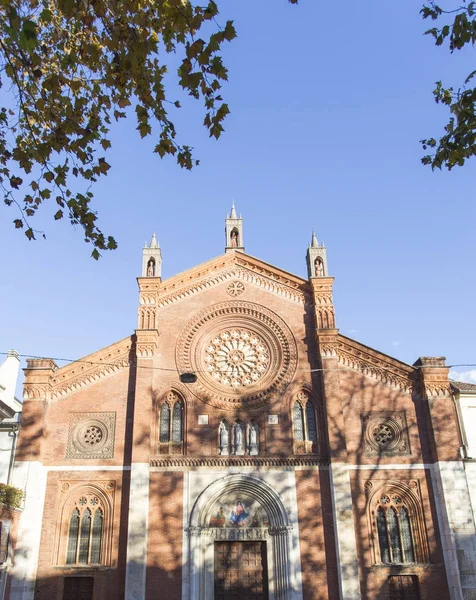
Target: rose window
92 435
236 358
383 435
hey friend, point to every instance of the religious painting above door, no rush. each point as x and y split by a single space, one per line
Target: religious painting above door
233 510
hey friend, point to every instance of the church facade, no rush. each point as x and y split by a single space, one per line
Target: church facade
237 446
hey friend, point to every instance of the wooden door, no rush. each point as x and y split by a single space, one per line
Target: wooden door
403 587
78 588
241 571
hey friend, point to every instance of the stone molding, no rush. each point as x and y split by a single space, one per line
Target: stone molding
238 461
370 363
232 267
410 496
91 435
395 428
230 533
267 325
92 368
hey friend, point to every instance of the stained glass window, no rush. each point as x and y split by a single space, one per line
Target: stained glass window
382 536
311 422
72 538
298 422
177 421
164 435
96 537
394 536
394 530
405 530
84 538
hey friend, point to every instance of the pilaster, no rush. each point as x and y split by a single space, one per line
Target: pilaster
450 484
137 535
30 475
343 516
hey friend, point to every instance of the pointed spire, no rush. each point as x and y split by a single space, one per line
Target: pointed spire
316 258
153 241
152 258
233 231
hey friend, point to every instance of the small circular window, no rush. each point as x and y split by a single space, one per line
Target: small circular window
90 436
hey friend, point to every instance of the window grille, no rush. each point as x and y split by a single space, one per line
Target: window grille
73 535
164 435
177 422
407 541
403 587
394 536
96 538
298 422
311 422
85 532
394 531
84 538
171 425
382 536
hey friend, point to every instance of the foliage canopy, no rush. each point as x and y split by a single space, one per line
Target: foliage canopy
459 141
71 68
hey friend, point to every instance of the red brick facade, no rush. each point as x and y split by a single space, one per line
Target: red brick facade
90 423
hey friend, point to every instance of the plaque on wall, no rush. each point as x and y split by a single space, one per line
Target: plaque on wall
203 419
273 419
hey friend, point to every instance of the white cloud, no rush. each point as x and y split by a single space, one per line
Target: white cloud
352 331
466 376
396 344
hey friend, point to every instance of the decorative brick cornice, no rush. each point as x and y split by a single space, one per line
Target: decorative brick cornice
369 362
433 381
238 461
92 368
232 266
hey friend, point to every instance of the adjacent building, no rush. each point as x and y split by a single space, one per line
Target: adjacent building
10 413
236 445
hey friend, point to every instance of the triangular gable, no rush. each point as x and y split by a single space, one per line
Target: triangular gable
228 267
92 368
374 364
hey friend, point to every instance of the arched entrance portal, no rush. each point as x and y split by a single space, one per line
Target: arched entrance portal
240 537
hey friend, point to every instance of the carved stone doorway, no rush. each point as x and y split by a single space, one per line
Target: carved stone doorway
241 571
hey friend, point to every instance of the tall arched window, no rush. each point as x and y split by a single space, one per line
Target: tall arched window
171 420
393 520
85 532
305 434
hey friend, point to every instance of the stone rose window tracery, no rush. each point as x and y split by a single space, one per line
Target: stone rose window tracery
236 358
385 433
91 435
241 353
235 288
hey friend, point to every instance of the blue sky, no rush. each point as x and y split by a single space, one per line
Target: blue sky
328 104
